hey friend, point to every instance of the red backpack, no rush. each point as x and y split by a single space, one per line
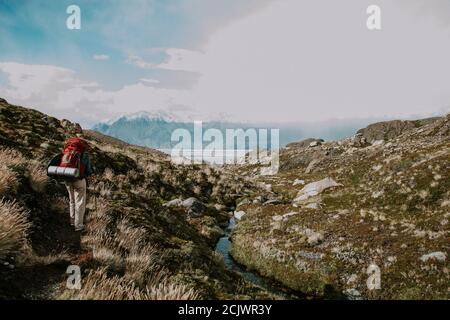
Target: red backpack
73 153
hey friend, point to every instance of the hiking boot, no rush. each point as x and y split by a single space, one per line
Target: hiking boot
79 229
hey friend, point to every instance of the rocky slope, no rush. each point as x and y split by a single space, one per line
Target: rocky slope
139 243
366 217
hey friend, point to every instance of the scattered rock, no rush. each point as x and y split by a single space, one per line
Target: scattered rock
377 143
353 294
312 165
313 205
298 181
315 143
438 255
377 194
273 202
284 216
303 143
313 237
220 207
277 218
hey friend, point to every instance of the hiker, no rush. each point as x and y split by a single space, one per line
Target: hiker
73 166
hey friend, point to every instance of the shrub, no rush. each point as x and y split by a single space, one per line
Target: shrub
98 286
8 180
10 157
13 228
38 178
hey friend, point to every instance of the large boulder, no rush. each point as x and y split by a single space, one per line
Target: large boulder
315 188
193 206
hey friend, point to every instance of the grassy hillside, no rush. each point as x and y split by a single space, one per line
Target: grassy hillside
388 211
134 247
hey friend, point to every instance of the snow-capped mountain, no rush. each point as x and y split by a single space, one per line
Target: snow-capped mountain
176 114
154 128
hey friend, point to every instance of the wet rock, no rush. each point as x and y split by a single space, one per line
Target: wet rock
239 214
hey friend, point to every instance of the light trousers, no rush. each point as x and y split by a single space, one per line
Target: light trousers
77 197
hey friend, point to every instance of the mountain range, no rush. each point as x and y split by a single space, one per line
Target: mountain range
154 129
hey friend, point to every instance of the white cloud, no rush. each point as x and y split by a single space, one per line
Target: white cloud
290 61
100 57
176 60
150 81
59 92
183 60
139 62
295 61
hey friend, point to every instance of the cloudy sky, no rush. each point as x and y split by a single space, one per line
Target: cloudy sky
257 60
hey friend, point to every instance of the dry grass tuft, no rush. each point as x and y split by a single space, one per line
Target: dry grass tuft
38 178
98 286
129 237
108 257
170 291
108 174
8 180
13 228
10 157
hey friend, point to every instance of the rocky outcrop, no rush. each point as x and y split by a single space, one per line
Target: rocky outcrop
72 128
388 130
305 143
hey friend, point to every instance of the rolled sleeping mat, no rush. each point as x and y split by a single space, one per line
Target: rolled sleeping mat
63 172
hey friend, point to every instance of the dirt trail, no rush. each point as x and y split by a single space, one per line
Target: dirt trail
51 236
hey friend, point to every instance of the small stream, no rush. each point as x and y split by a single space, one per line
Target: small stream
223 247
